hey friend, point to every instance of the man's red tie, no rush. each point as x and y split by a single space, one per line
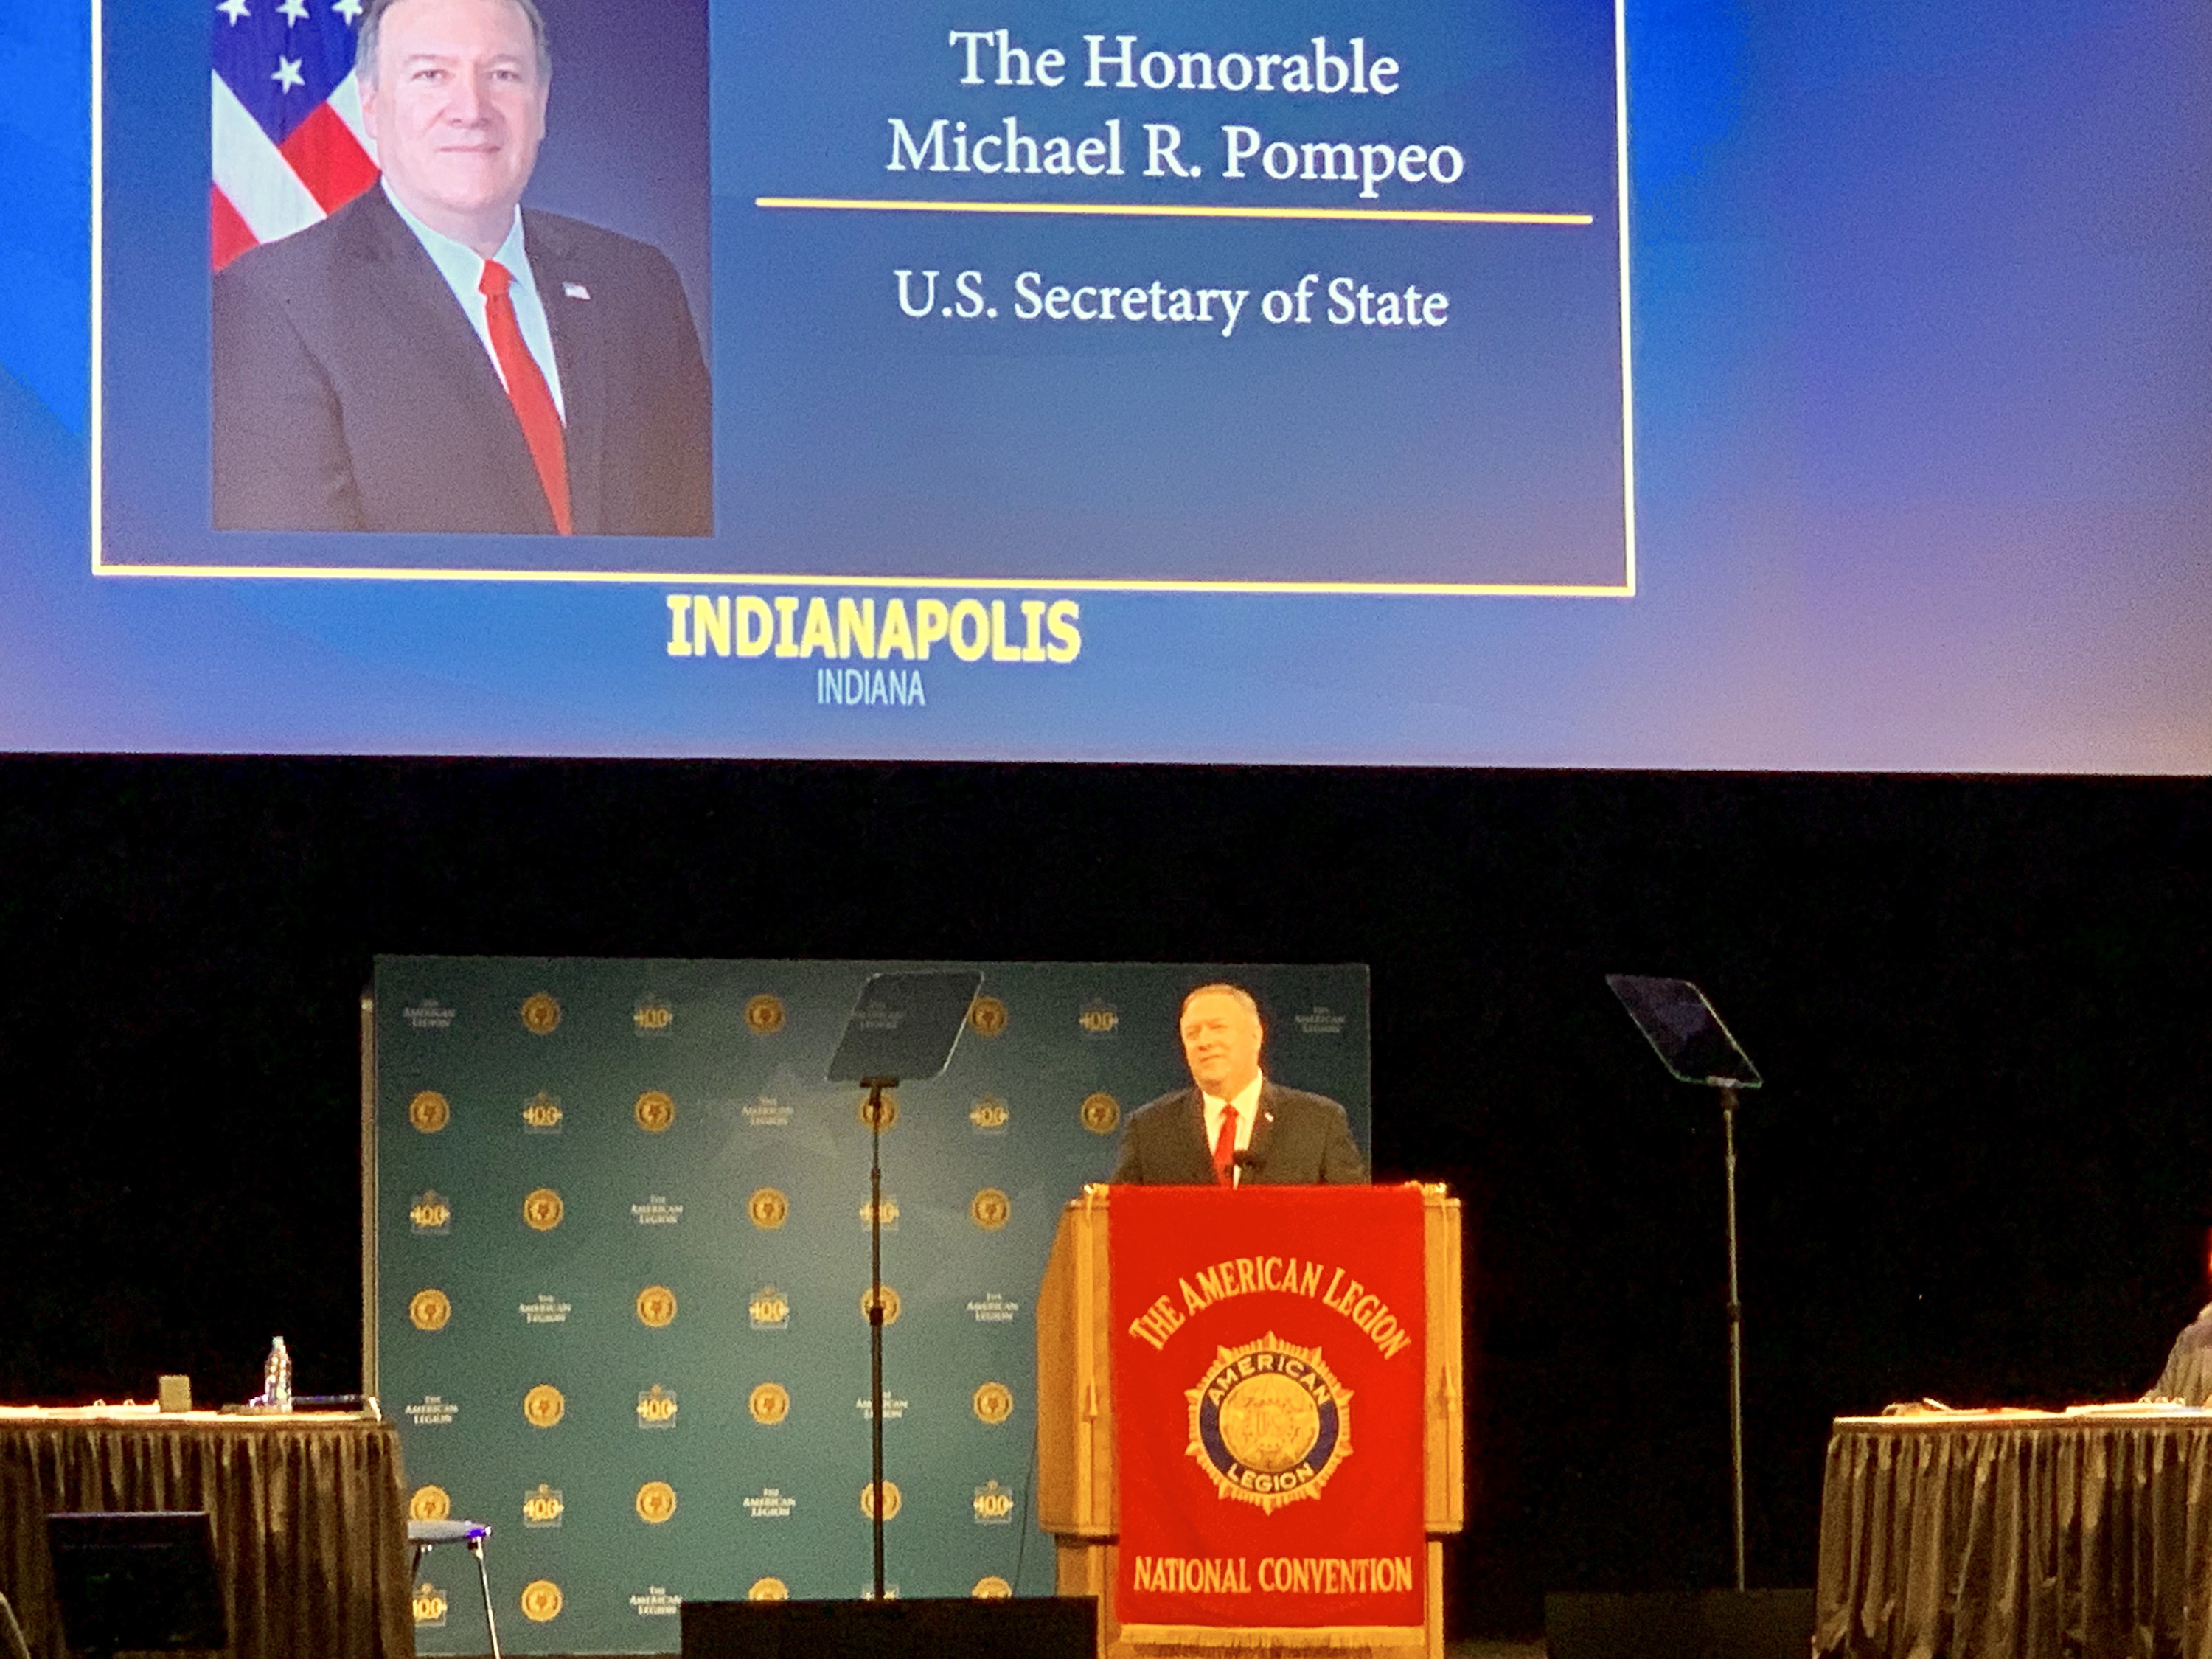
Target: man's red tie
1225 1149
527 390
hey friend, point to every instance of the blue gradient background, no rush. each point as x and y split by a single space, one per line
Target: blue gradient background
1924 324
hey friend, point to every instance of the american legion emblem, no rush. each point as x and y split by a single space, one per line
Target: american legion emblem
429 1504
655 1111
540 1014
543 1407
990 1209
542 1210
767 1209
541 1600
1269 1423
1101 1112
769 1403
430 1111
428 1310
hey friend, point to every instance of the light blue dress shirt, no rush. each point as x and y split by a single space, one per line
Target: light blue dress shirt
462 267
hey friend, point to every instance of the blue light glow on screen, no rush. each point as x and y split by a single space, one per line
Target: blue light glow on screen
1921 400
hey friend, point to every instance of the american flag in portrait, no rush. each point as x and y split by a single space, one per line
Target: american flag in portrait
287 144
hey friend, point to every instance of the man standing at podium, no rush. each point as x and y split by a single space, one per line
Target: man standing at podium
1233 1126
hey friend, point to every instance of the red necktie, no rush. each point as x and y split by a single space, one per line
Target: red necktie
527 390
1225 1149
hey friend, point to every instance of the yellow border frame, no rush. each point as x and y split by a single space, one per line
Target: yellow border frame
101 566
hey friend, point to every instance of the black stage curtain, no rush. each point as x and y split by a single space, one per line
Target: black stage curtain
2033 1538
310 1526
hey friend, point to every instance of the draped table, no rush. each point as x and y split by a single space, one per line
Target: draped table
310 1524
2026 1535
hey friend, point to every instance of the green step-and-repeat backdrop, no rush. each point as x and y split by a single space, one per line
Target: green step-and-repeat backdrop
621 1250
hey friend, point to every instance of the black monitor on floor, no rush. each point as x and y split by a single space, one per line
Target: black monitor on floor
138 1581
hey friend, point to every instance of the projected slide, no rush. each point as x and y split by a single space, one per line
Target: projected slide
1581 383
1250 296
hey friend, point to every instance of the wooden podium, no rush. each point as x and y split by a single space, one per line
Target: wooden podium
1077 1486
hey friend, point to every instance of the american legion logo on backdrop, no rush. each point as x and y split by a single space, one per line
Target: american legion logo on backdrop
1269 1380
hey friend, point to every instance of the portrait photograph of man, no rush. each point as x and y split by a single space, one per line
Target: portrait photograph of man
428 351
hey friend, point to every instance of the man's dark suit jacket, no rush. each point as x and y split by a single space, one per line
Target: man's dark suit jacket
352 393
2188 1374
1300 1140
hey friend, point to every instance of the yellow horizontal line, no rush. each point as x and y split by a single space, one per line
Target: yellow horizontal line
1144 210
988 584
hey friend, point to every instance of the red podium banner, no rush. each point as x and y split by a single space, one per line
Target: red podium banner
1268 1350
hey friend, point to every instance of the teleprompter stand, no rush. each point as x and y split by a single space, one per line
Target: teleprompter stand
902 1030
1692 1044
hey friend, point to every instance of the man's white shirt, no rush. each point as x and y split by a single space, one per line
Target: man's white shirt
1247 1103
462 267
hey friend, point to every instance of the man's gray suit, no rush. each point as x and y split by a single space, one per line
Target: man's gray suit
352 393
1301 1140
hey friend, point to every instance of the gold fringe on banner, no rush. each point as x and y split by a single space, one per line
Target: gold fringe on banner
1217 1642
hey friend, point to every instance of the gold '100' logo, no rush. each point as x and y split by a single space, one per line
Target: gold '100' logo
542 1507
769 1309
430 1213
994 1504
429 1604
541 1113
989 1112
652 1016
656 1408
887 1212
655 1111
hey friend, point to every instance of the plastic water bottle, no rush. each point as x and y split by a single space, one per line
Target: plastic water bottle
276 1378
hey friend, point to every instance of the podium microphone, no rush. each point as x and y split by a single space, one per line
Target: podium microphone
1250 1163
